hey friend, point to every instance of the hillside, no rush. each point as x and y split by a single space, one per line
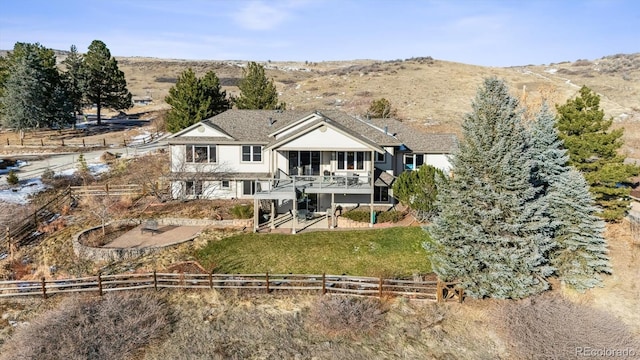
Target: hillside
430 93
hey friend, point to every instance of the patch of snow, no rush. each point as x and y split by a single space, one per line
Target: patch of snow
94 169
18 164
140 139
98 168
20 195
551 71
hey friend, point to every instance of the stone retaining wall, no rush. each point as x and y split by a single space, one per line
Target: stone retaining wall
117 254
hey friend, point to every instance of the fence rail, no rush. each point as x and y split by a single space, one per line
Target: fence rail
25 231
115 190
265 283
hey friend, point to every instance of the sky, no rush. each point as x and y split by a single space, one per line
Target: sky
481 32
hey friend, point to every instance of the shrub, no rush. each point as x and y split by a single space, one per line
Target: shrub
392 216
12 178
242 211
549 326
339 316
47 176
358 215
116 326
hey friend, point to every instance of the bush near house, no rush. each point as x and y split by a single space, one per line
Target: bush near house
392 216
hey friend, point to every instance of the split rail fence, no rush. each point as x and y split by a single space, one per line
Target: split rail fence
260 283
25 231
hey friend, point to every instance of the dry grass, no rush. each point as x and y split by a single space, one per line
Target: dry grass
345 316
117 326
552 327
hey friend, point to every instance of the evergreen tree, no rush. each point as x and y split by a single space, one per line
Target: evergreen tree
256 91
381 109
34 95
104 84
593 150
489 233
580 252
193 99
417 189
218 101
72 78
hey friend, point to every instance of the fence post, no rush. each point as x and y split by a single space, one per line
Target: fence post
41 142
106 189
21 142
155 281
104 142
62 142
267 277
100 283
7 141
460 294
124 141
211 279
324 283
380 287
439 290
44 288
83 145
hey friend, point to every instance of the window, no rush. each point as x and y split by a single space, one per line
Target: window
380 158
251 153
351 160
248 187
201 153
225 184
413 161
380 194
193 188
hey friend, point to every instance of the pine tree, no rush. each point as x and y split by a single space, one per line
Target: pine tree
417 189
72 78
593 150
218 98
256 91
193 100
381 109
490 231
34 95
104 83
580 252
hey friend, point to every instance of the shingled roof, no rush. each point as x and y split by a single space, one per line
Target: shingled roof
254 126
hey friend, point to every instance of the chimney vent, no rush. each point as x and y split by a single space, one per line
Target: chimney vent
270 121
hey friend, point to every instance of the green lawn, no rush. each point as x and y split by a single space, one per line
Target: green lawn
385 252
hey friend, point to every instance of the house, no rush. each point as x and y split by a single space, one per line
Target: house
299 161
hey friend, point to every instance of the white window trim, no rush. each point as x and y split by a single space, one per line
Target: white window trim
193 154
251 154
345 163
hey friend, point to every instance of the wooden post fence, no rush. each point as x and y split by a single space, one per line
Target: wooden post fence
44 288
155 281
100 284
380 287
267 278
324 283
439 291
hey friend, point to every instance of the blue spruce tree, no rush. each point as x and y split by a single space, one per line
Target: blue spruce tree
490 233
580 252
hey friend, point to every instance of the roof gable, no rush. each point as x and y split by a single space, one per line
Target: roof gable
203 129
321 134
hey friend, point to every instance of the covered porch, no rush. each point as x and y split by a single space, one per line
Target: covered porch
311 197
